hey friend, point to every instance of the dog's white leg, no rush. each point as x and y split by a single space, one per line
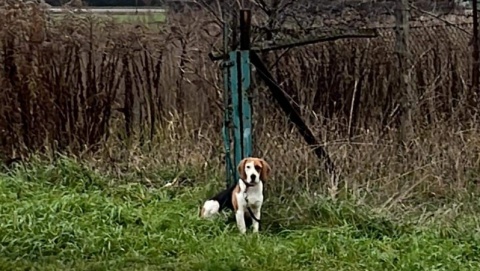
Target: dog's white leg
240 217
257 212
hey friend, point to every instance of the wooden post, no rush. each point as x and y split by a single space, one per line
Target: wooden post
403 54
475 54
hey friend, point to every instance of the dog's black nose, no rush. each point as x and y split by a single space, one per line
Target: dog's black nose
253 177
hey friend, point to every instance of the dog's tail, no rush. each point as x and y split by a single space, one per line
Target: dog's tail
210 208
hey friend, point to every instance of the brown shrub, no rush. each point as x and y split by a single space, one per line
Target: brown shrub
80 83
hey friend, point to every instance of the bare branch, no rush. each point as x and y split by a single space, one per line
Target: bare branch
438 17
210 10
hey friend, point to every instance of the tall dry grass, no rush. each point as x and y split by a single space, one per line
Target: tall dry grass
137 97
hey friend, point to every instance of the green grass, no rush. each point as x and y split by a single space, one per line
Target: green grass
153 18
68 217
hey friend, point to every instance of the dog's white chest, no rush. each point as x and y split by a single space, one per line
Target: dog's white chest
251 196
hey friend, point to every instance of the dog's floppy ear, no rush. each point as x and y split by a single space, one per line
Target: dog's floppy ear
241 169
265 173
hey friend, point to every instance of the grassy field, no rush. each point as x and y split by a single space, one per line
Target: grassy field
66 216
126 99
133 18
125 17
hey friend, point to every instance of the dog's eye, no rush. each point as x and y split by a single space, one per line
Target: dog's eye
258 168
248 167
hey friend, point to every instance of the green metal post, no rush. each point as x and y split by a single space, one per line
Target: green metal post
236 111
246 108
245 104
237 86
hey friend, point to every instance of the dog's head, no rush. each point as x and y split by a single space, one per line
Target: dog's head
253 170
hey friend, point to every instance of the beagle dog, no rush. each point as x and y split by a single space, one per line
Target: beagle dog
244 198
